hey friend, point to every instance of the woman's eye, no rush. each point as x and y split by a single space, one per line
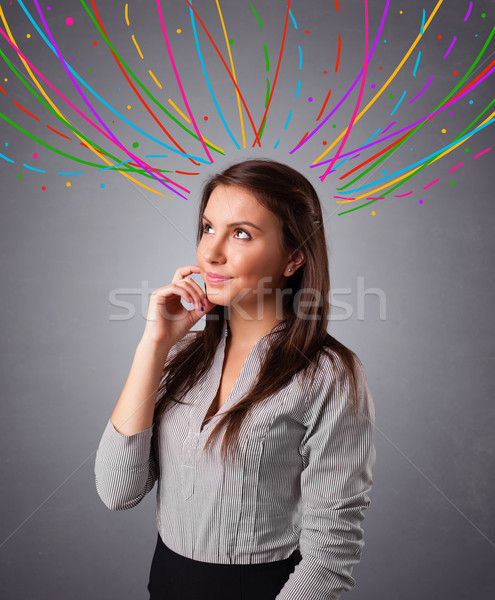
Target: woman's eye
206 225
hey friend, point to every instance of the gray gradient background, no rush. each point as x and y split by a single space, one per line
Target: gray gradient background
430 531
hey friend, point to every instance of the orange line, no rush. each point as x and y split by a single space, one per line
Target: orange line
323 107
26 111
338 56
58 133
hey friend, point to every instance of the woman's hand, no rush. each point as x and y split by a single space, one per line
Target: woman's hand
168 320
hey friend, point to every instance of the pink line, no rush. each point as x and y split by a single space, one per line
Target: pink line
344 198
363 82
456 167
402 195
416 97
430 184
481 153
91 122
178 81
469 11
450 47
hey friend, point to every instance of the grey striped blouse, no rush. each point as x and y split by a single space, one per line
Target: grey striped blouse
301 477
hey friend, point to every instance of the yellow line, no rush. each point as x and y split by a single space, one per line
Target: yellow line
372 193
233 74
138 48
87 144
178 110
385 85
127 13
155 79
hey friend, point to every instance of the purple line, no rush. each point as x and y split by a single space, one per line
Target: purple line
469 11
393 123
467 91
352 86
81 93
416 97
451 46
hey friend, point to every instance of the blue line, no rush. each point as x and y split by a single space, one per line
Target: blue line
33 169
369 140
208 80
298 88
300 57
64 173
419 162
288 119
398 103
115 112
292 17
113 166
156 156
417 63
7 159
276 144
423 21
342 161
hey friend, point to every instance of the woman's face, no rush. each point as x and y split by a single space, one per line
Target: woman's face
251 254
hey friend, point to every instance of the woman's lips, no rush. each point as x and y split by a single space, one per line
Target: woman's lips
213 280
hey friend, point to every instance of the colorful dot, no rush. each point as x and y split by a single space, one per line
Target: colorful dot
466 149
452 184
401 11
5 79
47 8
310 99
471 101
444 131
439 37
95 43
451 112
72 58
205 118
68 184
455 73
325 72
43 187
307 30
129 107
391 96
231 41
483 15
102 185
373 212
380 68
35 155
334 126
6 144
324 142
19 176
69 21
373 86
135 145
384 171
420 201
179 30
28 35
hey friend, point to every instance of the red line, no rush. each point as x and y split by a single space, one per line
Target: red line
337 5
276 72
303 138
26 111
228 71
135 90
186 173
1 88
323 107
58 133
338 56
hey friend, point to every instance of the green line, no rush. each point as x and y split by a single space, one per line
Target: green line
473 122
396 147
256 15
141 85
356 208
267 92
266 59
79 160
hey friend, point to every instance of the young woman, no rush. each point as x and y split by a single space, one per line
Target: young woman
259 428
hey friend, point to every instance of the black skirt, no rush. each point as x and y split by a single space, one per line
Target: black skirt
175 577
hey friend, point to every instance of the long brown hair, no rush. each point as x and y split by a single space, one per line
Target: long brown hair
292 198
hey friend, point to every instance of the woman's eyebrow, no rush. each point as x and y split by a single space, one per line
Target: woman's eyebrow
238 223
